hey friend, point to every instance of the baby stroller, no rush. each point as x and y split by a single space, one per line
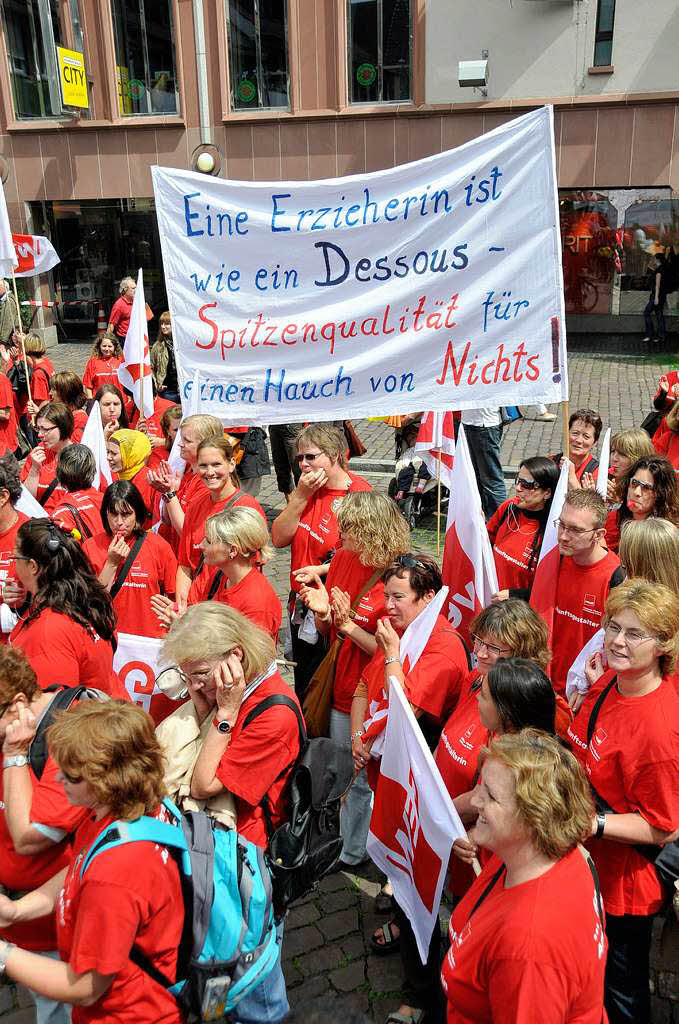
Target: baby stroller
413 488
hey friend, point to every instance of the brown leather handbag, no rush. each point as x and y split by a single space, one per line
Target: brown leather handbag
318 697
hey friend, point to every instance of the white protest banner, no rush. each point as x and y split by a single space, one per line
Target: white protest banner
136 661
414 822
35 253
604 464
434 285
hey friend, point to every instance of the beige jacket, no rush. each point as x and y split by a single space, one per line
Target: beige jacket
181 737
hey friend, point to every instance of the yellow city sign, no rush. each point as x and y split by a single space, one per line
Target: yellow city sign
72 78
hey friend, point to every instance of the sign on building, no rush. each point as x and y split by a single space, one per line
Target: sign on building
72 78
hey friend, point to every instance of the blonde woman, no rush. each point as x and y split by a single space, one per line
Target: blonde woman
506 954
627 447
372 534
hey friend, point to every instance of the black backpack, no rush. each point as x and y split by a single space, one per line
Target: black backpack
308 844
63 699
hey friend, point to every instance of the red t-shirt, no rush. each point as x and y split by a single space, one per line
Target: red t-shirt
158 454
101 371
531 954
48 471
457 753
21 873
258 760
62 651
119 318
153 421
512 534
672 380
253 597
8 428
581 595
632 763
41 371
612 530
7 563
197 513
154 571
347 573
129 896
79 424
86 503
317 532
141 482
668 445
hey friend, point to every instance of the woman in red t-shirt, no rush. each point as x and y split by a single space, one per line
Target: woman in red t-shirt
67 387
626 735
127 452
112 408
627 447
42 371
217 469
67 631
102 366
129 896
584 428
668 443
308 524
527 942
373 533
235 546
517 527
54 425
649 488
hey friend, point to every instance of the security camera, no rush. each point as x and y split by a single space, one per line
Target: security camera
472 73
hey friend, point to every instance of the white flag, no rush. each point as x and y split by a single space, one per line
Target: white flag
543 593
413 642
35 254
604 463
576 680
136 365
29 505
136 661
436 445
93 437
468 563
8 256
414 822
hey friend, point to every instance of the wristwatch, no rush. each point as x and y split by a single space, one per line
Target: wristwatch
18 761
5 949
169 495
221 726
390 661
600 825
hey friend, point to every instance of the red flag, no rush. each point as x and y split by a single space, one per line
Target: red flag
436 444
468 565
543 594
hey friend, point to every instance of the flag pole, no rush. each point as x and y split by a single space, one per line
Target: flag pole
438 506
564 429
21 338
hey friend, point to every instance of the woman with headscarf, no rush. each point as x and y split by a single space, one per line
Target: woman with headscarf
128 452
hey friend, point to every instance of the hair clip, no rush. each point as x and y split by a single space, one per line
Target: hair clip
76 534
53 541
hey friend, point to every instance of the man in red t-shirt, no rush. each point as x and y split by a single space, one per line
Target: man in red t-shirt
36 818
587 572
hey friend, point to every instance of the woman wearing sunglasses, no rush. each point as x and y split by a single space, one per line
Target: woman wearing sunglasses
648 489
626 735
517 528
308 524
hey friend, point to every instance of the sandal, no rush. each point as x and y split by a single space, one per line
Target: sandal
391 941
416 1017
384 902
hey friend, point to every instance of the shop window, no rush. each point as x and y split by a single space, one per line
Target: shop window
380 47
32 31
145 57
603 39
651 226
591 251
258 54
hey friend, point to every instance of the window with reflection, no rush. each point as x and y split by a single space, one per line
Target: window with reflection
258 54
603 37
32 31
591 250
145 57
651 226
380 51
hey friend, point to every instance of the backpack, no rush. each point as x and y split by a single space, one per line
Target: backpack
229 943
308 844
64 698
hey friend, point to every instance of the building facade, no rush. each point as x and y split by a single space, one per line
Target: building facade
304 89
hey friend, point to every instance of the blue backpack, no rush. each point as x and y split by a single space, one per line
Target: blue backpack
228 943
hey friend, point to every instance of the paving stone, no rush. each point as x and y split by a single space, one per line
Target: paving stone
353 946
331 883
293 976
348 978
302 915
385 973
301 940
342 923
340 900
311 989
325 959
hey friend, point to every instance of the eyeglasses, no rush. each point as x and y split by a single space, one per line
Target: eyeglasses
646 488
308 457
409 562
197 678
23 558
45 430
526 485
491 648
577 531
632 637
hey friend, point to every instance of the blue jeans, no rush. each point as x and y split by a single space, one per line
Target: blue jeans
659 311
357 808
268 1003
484 448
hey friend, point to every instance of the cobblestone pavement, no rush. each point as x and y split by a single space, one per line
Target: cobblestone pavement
326 950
